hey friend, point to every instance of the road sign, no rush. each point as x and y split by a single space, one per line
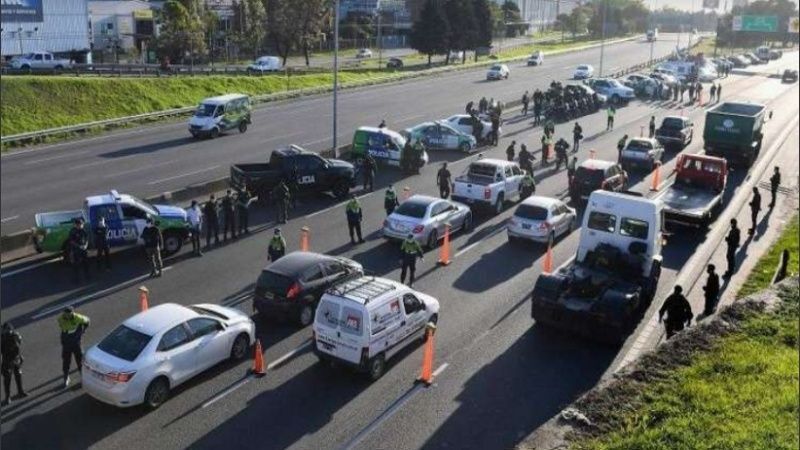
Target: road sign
767 24
794 25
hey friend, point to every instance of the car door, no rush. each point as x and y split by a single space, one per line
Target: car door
449 138
465 125
117 235
438 217
513 175
433 137
134 219
309 172
175 354
385 326
414 320
210 341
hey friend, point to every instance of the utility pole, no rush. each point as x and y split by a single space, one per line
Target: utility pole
335 71
380 38
603 37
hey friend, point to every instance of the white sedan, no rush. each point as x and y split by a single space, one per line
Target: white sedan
425 218
463 123
498 72
158 349
583 72
364 53
541 219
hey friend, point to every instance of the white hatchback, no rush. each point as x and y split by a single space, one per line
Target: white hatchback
498 72
541 219
158 349
583 72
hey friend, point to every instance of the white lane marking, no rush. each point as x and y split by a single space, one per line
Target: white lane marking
138 169
228 391
207 169
399 403
51 158
322 211
25 269
101 162
439 370
8 219
95 295
317 141
289 355
475 244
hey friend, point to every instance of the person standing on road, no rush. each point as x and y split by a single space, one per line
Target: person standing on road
712 93
11 344
691 92
483 105
711 290
611 111
774 184
390 201
525 158
732 240
755 208
444 181
719 92
527 186
243 201
72 326
211 220
525 101
468 109
195 217
277 246
354 218
153 243
621 146
368 169
572 166
293 186
699 90
281 196
678 310
561 148
495 129
78 240
652 126
410 250
227 216
511 151
101 244
675 91
577 136
683 90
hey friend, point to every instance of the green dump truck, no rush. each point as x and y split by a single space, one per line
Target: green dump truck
734 131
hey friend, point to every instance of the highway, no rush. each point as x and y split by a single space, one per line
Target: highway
499 375
150 160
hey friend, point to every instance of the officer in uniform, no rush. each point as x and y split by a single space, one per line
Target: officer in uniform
495 129
416 160
211 220
525 101
153 243
11 344
652 126
406 156
774 183
72 326
577 135
561 148
78 240
621 146
292 186
527 185
755 208
711 290
525 158
368 169
101 243
195 217
678 310
390 201
281 196
243 201
227 216
277 246
511 151
611 111
410 250
732 240
354 218
444 181
483 105
571 168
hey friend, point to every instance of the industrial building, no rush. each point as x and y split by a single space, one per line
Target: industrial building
57 26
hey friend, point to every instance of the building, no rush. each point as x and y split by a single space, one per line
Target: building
542 13
121 27
57 26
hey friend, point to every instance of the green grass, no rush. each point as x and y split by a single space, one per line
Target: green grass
762 274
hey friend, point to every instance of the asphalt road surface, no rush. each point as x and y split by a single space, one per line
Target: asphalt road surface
499 375
150 160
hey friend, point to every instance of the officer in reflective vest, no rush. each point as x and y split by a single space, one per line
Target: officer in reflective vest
410 250
277 246
390 201
527 185
72 326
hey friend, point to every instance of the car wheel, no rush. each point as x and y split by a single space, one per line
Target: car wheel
172 243
242 127
341 189
239 347
499 204
467 227
157 393
214 133
306 315
433 240
465 147
377 366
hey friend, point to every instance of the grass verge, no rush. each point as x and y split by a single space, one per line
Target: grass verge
762 274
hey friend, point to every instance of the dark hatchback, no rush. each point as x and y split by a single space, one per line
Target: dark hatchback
593 175
292 286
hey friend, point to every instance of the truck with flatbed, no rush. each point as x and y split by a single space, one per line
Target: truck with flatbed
734 131
125 217
695 197
488 183
313 173
605 288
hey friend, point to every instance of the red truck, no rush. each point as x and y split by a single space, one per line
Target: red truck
695 198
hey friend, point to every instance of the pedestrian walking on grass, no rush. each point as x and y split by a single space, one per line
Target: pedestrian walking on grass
678 311
711 291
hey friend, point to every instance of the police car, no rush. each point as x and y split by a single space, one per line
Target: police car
441 136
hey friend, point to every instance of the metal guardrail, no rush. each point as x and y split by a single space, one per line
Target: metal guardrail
782 268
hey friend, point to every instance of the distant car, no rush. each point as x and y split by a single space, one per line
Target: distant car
642 153
615 91
677 131
722 64
664 75
456 55
292 286
463 123
441 136
541 219
755 59
394 63
594 174
789 76
425 217
39 60
364 53
265 64
536 59
158 349
633 80
739 61
583 72
498 72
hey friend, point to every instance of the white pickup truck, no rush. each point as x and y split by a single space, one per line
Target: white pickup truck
40 60
488 183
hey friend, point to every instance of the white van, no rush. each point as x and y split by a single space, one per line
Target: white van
536 59
216 115
364 322
265 64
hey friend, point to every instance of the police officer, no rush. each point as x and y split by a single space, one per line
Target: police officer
652 126
527 185
354 218
577 136
755 208
711 290
211 220
525 102
277 246
495 129
101 243
444 181
611 111
699 90
281 196
228 216
72 326
293 187
525 158
719 92
732 240
572 165
410 250
561 148
390 201
368 169
691 92
621 146
678 310
243 201
153 243
774 183
511 151
11 344
195 217
483 105
78 240
416 158
712 92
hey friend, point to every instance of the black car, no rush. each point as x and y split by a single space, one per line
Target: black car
394 63
789 76
292 286
594 174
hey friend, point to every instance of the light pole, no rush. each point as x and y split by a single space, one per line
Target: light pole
380 38
603 37
335 71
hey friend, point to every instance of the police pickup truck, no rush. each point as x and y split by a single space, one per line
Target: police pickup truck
614 275
313 173
125 217
488 183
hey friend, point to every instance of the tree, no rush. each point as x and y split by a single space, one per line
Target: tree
250 18
512 19
564 23
182 30
482 38
281 28
463 26
356 26
429 34
312 17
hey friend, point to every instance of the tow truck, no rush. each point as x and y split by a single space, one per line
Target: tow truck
695 197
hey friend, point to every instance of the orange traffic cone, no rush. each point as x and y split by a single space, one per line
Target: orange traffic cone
444 252
656 177
406 193
547 264
304 232
426 376
143 302
259 368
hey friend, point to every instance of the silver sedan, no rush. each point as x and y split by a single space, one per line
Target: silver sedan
425 217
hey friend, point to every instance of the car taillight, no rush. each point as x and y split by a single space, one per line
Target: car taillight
418 229
120 377
294 289
487 193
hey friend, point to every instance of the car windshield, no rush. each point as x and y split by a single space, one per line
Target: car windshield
531 212
412 209
592 176
495 68
124 343
639 146
672 122
145 206
583 67
205 110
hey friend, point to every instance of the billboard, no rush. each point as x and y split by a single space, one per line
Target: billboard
21 11
767 24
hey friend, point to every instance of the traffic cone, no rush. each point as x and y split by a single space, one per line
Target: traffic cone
444 252
656 177
591 153
259 368
143 302
547 264
426 376
406 193
304 232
